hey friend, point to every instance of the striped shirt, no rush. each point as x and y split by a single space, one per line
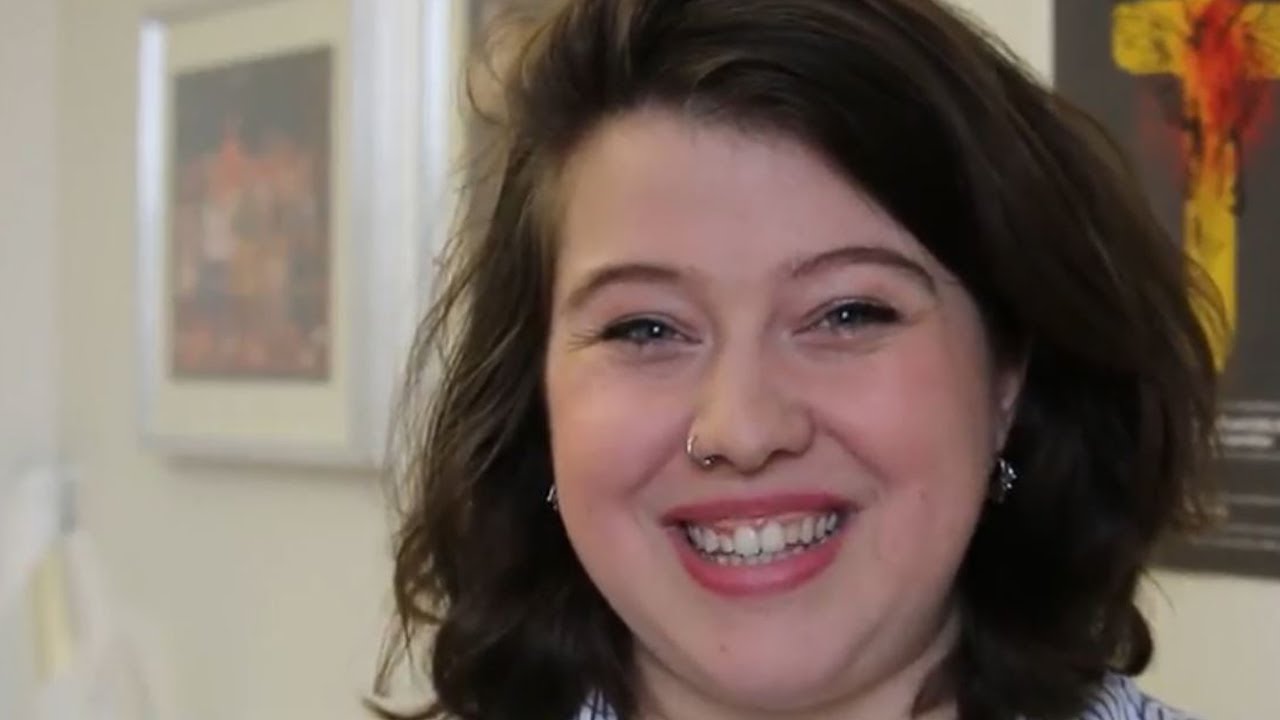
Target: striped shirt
1117 699
1120 699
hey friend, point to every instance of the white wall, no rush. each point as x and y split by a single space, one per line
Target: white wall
27 240
28 338
264 588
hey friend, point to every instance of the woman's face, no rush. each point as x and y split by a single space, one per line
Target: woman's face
734 287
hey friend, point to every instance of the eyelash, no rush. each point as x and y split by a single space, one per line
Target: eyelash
858 314
626 331
846 317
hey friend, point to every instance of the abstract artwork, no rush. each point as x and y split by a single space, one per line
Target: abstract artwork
283 166
250 219
1191 88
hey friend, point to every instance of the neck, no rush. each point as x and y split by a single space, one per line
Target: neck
894 696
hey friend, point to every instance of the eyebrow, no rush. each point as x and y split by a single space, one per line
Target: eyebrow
620 273
864 255
642 272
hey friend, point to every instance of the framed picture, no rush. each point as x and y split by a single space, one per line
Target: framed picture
1192 89
284 236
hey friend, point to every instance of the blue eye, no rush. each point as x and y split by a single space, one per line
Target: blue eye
639 331
850 316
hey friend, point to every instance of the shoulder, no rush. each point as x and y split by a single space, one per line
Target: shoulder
1119 698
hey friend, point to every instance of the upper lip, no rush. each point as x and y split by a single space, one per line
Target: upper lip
708 511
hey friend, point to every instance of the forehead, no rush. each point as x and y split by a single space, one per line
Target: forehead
656 185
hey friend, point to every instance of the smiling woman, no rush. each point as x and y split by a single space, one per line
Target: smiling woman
860 377
800 365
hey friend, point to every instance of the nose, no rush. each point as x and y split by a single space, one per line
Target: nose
748 413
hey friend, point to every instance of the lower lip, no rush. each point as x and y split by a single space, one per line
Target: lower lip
778 576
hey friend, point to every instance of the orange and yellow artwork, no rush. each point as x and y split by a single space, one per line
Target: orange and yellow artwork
1190 92
250 271
1224 53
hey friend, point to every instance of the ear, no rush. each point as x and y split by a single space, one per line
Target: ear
1010 378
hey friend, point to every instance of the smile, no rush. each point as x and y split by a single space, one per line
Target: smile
760 546
762 541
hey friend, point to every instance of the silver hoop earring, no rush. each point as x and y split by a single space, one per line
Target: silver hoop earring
552 499
1005 478
699 460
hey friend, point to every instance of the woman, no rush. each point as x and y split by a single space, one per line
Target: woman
812 362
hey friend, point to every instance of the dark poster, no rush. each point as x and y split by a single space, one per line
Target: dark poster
1192 89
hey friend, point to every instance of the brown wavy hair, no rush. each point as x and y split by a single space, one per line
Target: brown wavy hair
1021 195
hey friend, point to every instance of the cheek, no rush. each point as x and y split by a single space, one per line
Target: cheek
918 418
609 436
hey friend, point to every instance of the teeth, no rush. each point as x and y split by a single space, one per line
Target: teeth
826 525
759 544
772 539
746 541
792 533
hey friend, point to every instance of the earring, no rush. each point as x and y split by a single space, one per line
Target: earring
1006 476
699 460
552 499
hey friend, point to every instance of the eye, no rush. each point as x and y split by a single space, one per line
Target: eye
640 332
850 316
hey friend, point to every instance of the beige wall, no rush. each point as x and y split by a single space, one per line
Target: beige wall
1218 645
263 589
27 255
28 349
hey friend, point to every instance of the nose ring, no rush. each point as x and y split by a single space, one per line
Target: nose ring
699 460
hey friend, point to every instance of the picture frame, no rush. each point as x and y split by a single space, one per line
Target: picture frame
291 163
1186 89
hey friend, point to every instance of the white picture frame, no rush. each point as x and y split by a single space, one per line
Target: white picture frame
255 396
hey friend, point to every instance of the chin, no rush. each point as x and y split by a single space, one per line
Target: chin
772 676
773 689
